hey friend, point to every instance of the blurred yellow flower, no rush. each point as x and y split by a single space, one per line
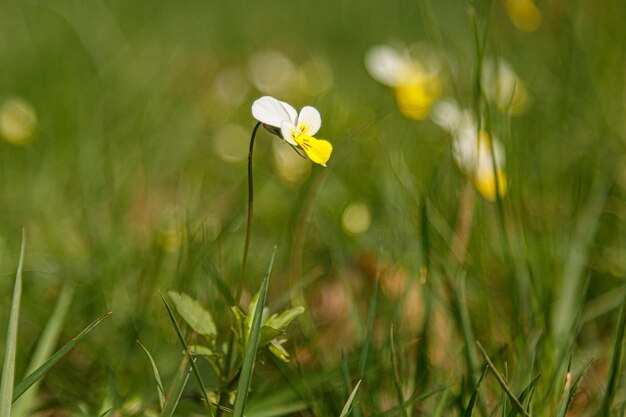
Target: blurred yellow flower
297 129
18 121
172 235
416 82
477 154
503 87
524 14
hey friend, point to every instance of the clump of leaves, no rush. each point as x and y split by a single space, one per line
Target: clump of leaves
200 320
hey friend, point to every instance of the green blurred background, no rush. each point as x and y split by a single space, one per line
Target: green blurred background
134 178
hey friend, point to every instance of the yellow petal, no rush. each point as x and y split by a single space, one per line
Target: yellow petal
317 150
416 96
485 183
524 14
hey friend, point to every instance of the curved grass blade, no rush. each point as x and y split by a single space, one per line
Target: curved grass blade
157 377
8 369
251 347
181 339
41 371
47 342
346 407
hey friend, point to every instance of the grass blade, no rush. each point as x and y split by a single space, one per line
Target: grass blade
572 391
616 364
503 384
181 339
472 402
8 369
396 373
251 347
41 371
528 392
157 377
47 342
346 407
171 402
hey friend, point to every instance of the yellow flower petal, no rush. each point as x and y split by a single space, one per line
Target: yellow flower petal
317 150
524 14
416 96
485 183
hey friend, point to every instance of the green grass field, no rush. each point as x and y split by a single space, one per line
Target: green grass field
468 231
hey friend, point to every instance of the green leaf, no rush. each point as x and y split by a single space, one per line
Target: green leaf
282 320
157 377
8 370
346 407
41 371
276 348
267 335
194 314
201 350
251 347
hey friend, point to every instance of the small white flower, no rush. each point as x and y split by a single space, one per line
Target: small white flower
295 128
472 151
416 82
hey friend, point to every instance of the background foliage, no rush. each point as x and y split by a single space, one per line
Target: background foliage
133 183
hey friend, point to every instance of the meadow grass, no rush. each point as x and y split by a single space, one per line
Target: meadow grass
402 283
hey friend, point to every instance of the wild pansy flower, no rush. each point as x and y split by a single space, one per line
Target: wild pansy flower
472 150
297 129
416 82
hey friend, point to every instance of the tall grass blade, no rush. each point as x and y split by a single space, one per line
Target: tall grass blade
251 347
41 371
616 365
566 306
346 407
472 402
185 347
157 377
47 342
8 367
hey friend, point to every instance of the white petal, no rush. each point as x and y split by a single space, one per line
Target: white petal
270 111
309 120
293 113
289 132
447 114
385 64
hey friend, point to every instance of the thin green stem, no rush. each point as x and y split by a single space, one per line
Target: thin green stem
246 245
